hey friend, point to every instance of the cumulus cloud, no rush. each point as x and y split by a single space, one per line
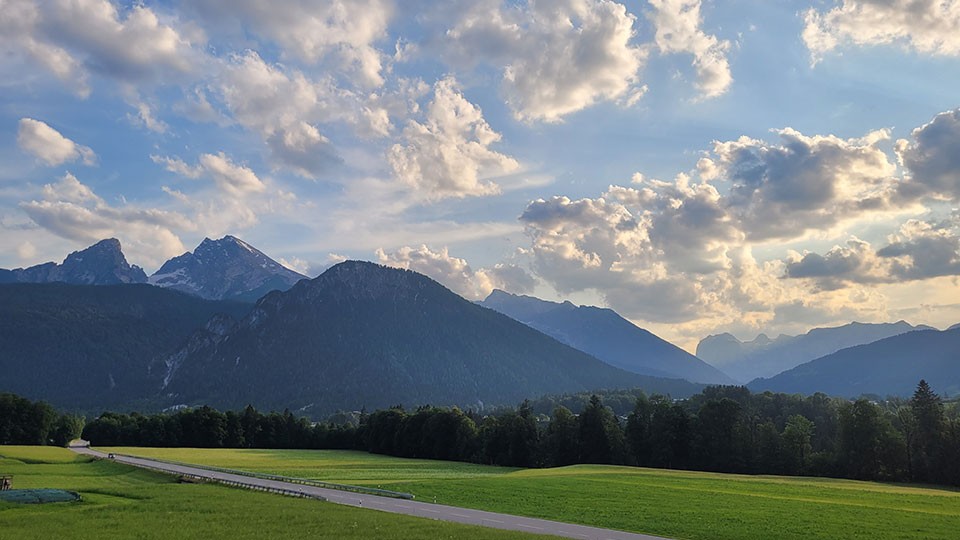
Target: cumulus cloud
232 179
854 262
456 273
312 30
557 57
919 250
677 24
72 38
602 244
926 26
681 251
235 179
449 155
303 149
48 145
234 198
72 210
804 183
932 159
284 107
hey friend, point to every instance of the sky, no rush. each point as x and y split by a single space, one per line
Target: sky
698 166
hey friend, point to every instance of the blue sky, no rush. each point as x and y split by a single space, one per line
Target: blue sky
699 166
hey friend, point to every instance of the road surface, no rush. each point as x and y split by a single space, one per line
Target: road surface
396 506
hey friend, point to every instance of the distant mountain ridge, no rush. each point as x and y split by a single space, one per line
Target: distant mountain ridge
765 357
606 335
100 264
365 335
890 366
225 269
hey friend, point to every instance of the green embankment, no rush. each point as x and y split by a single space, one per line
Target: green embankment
121 502
676 504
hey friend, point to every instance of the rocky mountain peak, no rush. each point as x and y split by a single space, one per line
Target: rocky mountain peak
228 268
100 264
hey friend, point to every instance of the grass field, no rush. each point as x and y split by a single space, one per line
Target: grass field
676 504
121 502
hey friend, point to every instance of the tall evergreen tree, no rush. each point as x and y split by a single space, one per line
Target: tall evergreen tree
929 422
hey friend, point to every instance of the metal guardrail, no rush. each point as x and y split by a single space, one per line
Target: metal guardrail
233 483
302 481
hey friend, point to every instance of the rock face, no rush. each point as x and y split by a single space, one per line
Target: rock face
364 335
606 335
891 366
100 264
225 269
765 357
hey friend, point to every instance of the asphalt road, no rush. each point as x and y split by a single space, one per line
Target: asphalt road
396 506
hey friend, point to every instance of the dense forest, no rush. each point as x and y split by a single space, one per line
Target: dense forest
35 423
722 429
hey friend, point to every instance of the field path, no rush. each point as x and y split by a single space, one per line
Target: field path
396 506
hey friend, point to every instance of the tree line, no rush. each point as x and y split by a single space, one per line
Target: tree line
35 423
722 429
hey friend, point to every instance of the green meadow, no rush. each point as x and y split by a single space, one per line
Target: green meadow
678 504
121 502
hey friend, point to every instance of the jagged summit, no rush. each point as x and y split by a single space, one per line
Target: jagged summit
100 264
228 268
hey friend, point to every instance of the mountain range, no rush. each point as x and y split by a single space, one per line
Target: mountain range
765 357
365 335
224 269
890 366
606 335
94 331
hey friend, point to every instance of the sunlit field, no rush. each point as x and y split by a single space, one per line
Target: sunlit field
122 502
677 504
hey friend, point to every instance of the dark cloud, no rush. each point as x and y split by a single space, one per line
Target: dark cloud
932 158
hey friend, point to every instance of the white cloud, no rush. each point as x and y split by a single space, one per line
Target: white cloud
449 155
927 26
235 179
72 38
456 273
146 118
49 145
285 107
178 166
677 24
557 57
232 179
237 198
312 30
70 209
804 183
681 252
